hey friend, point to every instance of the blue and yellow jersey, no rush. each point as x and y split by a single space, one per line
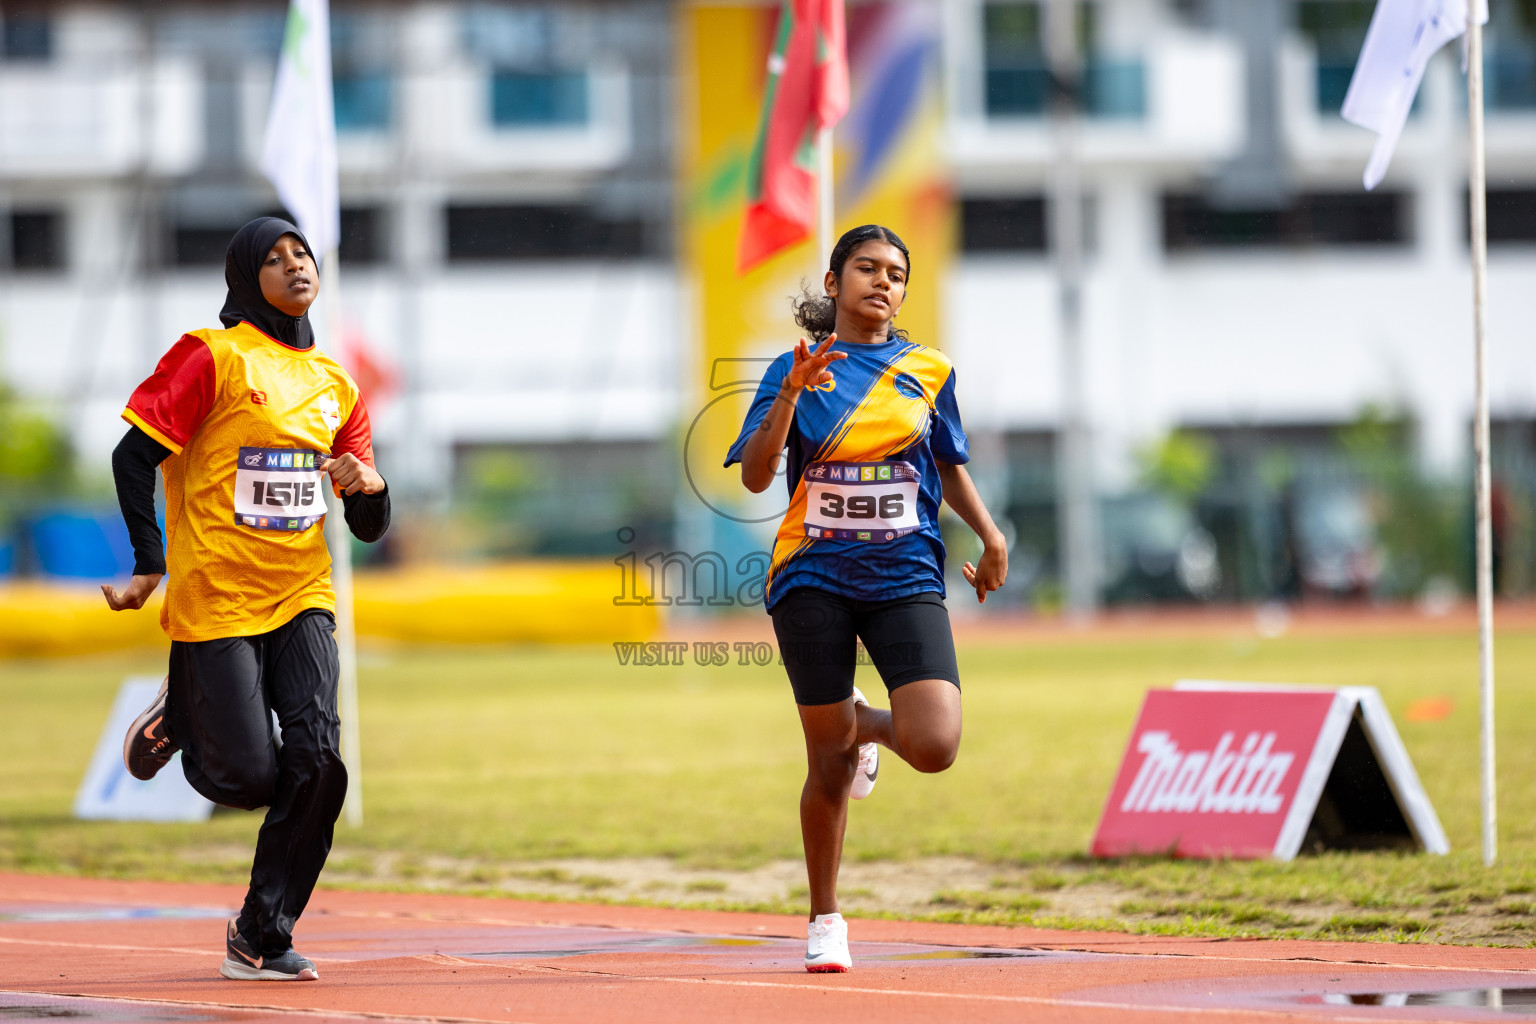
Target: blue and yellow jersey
863 518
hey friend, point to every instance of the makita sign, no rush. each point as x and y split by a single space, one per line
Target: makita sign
1231 779
1241 770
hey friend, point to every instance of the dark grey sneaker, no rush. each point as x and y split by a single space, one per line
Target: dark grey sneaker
242 963
148 746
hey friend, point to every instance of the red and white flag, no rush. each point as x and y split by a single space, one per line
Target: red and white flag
807 90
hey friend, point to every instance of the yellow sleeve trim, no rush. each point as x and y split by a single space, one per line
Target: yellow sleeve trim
138 421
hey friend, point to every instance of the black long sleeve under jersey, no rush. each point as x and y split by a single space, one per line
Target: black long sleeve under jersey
133 471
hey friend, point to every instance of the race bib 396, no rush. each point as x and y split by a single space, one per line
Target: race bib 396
864 501
279 488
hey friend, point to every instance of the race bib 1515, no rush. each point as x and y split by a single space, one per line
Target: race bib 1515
868 501
279 488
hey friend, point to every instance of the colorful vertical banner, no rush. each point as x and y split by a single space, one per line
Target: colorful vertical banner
889 170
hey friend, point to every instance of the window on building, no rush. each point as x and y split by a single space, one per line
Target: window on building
1509 56
530 232
26 37
517 34
203 244
1196 13
1115 88
199 245
1337 31
1511 215
37 240
1018 224
1018 81
363 239
1373 218
536 53
362 54
1003 225
527 99
363 100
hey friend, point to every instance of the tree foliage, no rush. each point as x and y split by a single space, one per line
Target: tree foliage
36 458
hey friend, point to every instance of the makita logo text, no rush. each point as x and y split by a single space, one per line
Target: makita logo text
1223 781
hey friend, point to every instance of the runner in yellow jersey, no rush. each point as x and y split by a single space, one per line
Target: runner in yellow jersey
245 423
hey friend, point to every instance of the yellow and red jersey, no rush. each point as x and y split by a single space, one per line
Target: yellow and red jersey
248 421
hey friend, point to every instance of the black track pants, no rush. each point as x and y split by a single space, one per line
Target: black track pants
217 711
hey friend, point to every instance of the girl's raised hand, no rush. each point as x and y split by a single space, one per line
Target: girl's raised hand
810 368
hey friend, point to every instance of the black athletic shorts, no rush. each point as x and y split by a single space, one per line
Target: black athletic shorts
908 639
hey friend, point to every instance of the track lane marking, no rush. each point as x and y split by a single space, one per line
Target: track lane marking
1047 949
263 1008
106 945
546 970
1051 1001
154 949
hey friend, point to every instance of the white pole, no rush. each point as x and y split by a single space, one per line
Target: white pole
824 197
340 544
1076 511
1480 432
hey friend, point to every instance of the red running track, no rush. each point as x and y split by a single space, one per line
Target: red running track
89 949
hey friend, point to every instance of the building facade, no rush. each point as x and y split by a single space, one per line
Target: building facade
509 212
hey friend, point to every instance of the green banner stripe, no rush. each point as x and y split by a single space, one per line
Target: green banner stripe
770 96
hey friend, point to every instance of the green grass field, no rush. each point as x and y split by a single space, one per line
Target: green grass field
486 759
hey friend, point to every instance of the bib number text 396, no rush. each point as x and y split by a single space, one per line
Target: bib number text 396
862 501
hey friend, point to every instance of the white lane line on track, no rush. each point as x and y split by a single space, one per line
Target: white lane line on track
445 960
1287 960
1050 948
149 949
1221 1012
107 945
259 1008
1180 956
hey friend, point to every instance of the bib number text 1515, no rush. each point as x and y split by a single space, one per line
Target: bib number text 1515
279 488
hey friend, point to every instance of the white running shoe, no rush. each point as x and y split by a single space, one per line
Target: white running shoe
869 760
826 945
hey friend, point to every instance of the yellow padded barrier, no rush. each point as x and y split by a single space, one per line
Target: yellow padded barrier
50 619
531 602
540 602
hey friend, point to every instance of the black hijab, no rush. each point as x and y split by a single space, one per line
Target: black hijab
242 273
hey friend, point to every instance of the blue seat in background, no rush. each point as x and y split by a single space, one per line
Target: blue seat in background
72 545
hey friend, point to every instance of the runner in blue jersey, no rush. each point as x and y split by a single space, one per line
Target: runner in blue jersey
872 450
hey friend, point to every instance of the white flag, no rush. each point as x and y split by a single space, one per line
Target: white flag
1403 35
298 153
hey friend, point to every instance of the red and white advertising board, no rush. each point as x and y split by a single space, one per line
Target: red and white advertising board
1239 769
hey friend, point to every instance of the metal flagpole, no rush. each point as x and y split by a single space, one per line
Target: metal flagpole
824 197
1480 431
1077 525
340 545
